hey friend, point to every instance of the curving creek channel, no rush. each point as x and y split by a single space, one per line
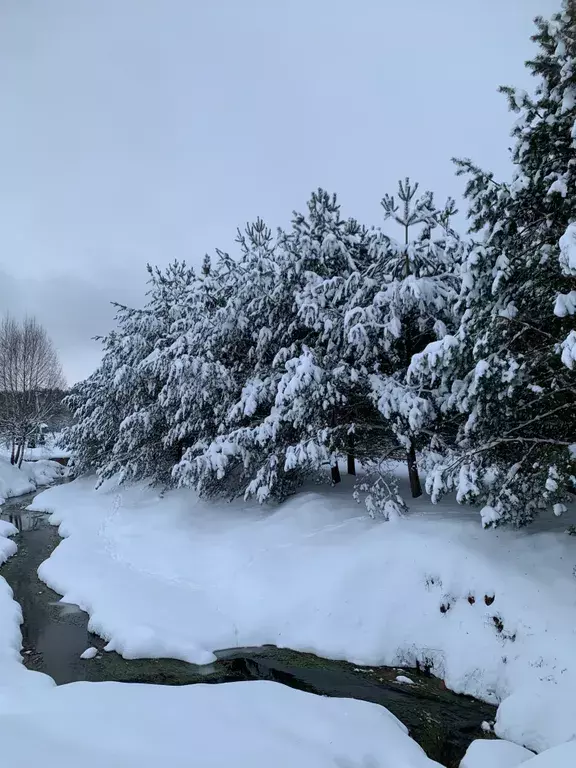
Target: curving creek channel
54 634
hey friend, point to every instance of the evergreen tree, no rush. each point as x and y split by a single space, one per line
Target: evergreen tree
507 373
402 300
263 369
196 384
120 422
232 342
286 420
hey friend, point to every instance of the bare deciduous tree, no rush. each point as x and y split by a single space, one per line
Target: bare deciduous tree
31 381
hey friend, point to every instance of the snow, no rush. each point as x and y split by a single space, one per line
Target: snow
50 450
89 653
539 716
563 756
7 547
565 304
404 679
180 577
14 678
568 250
15 481
559 186
568 99
43 471
172 575
9 611
490 753
489 516
143 726
568 348
252 724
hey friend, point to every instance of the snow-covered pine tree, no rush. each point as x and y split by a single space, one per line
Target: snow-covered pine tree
120 423
508 372
334 252
403 299
287 414
227 344
196 383
97 414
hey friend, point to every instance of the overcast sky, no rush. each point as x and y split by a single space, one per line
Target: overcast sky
148 130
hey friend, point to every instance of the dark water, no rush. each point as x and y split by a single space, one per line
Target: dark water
55 634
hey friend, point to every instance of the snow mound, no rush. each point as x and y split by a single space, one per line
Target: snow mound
252 724
10 613
562 756
538 716
174 576
491 753
13 481
170 575
43 471
16 481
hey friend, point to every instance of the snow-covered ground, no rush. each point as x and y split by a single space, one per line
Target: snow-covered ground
504 754
249 725
16 481
494 612
488 753
50 450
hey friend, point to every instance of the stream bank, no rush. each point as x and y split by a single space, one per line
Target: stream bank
54 634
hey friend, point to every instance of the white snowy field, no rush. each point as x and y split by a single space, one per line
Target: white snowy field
51 449
249 725
16 481
505 754
141 726
494 612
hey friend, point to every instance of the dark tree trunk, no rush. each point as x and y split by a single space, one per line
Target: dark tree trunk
17 455
351 464
21 454
415 486
351 457
335 468
13 453
336 473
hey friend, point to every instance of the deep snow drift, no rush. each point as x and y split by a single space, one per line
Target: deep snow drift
503 754
180 577
16 482
488 753
493 612
10 613
143 726
250 725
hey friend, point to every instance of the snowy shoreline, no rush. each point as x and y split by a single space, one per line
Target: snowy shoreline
492 611
18 481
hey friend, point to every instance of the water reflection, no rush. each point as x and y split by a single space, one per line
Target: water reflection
22 520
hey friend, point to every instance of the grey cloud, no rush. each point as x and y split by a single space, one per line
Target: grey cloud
148 130
74 310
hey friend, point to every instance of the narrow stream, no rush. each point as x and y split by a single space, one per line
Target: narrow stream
54 634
